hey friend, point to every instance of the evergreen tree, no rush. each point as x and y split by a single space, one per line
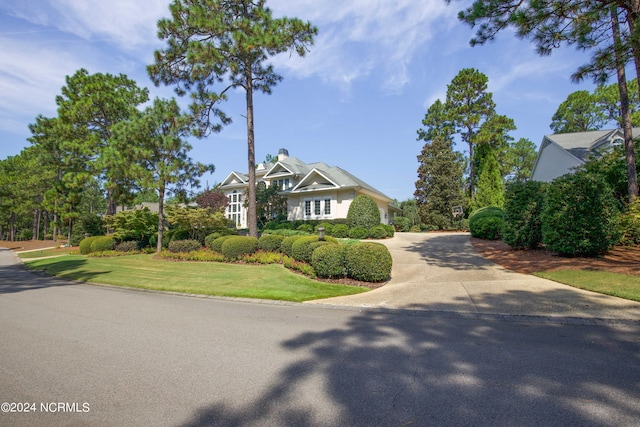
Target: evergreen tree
490 185
521 159
578 113
440 172
216 41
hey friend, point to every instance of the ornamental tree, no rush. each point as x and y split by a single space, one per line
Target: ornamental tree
214 46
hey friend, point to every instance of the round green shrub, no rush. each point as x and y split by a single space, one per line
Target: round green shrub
328 228
368 261
208 241
487 228
305 227
129 246
483 229
302 249
236 246
287 243
358 233
216 245
187 245
328 261
378 232
389 229
340 231
85 244
270 242
629 225
523 214
402 223
580 215
363 212
103 243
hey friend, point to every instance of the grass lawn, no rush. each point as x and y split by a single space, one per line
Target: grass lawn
47 252
271 281
619 285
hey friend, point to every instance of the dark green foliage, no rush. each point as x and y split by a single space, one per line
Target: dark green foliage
178 234
368 261
305 227
208 241
287 244
579 215
402 223
302 248
270 242
522 214
135 224
378 232
363 212
236 246
490 187
217 243
389 229
103 243
187 245
486 223
85 244
488 228
358 233
128 246
340 231
328 261
328 228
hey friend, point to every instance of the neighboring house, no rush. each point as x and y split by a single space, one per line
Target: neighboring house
314 191
562 153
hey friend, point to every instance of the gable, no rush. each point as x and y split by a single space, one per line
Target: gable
235 178
553 161
315 180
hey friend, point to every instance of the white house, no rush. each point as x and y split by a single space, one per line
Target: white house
314 191
562 153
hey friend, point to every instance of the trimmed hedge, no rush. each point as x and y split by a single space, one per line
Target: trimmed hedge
390 229
103 243
358 233
363 212
187 245
270 242
368 261
580 215
287 243
522 214
378 232
302 248
236 246
328 261
85 244
487 223
340 231
216 245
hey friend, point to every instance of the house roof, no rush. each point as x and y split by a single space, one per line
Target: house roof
582 144
316 176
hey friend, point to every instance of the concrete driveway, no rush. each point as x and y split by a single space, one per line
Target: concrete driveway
442 272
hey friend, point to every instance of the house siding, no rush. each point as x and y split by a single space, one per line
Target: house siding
554 161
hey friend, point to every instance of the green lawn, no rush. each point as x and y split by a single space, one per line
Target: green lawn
619 285
47 252
209 278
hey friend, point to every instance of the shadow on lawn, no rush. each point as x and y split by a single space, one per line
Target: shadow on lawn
399 370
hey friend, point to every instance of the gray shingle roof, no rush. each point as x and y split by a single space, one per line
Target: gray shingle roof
582 144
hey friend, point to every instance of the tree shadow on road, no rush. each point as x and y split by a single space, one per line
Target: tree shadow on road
18 278
382 368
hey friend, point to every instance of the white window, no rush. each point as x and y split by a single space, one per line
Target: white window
316 207
327 206
307 207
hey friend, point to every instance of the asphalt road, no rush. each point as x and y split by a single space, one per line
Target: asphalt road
115 357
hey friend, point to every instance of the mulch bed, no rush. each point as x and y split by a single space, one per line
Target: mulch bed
623 260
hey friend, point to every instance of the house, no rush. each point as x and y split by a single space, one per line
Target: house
562 153
314 191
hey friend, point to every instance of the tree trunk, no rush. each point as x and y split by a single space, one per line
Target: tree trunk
161 192
627 130
45 226
252 221
111 203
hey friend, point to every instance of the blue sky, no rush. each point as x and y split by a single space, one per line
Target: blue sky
355 101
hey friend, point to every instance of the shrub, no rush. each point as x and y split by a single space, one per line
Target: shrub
103 243
402 223
328 261
208 241
302 249
236 246
368 261
629 225
389 229
363 212
305 227
358 233
131 245
328 228
270 242
187 245
287 232
340 231
579 215
176 235
486 223
287 243
216 245
85 244
377 232
522 214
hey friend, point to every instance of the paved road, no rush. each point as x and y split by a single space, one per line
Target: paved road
139 358
442 271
